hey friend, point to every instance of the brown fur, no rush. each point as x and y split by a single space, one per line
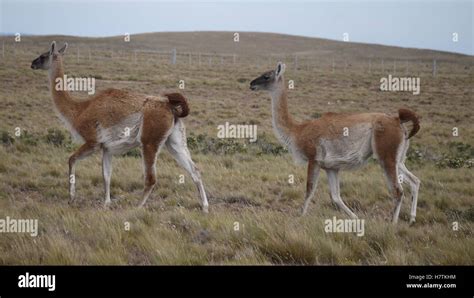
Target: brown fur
101 113
387 137
406 115
109 107
329 126
178 104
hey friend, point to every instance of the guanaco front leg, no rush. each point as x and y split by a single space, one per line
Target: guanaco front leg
83 151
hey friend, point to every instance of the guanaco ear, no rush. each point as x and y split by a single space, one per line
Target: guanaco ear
63 49
53 47
280 70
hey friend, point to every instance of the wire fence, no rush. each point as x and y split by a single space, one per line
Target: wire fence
295 61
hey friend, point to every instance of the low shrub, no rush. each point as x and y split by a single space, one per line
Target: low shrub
56 137
6 138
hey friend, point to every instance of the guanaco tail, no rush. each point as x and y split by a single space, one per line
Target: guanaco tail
115 121
322 143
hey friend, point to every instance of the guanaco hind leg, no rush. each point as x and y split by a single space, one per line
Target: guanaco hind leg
149 152
106 173
176 145
311 184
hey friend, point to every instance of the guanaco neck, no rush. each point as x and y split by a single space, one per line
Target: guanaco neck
63 101
283 123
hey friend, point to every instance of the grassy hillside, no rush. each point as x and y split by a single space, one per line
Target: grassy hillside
246 183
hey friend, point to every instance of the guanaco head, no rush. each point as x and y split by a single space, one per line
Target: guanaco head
269 80
44 60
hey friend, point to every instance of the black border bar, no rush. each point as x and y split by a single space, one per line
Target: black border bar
290 281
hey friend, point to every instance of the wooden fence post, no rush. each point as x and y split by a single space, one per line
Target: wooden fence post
173 56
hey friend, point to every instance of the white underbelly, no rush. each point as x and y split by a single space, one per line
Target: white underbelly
346 152
123 136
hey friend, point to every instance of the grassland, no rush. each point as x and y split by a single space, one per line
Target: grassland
247 184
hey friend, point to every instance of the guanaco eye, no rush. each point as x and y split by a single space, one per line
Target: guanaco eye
266 77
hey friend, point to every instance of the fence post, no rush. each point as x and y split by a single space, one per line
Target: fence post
296 62
173 56
333 65
370 65
434 68
382 67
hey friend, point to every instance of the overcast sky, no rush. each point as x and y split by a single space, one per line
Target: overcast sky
418 23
